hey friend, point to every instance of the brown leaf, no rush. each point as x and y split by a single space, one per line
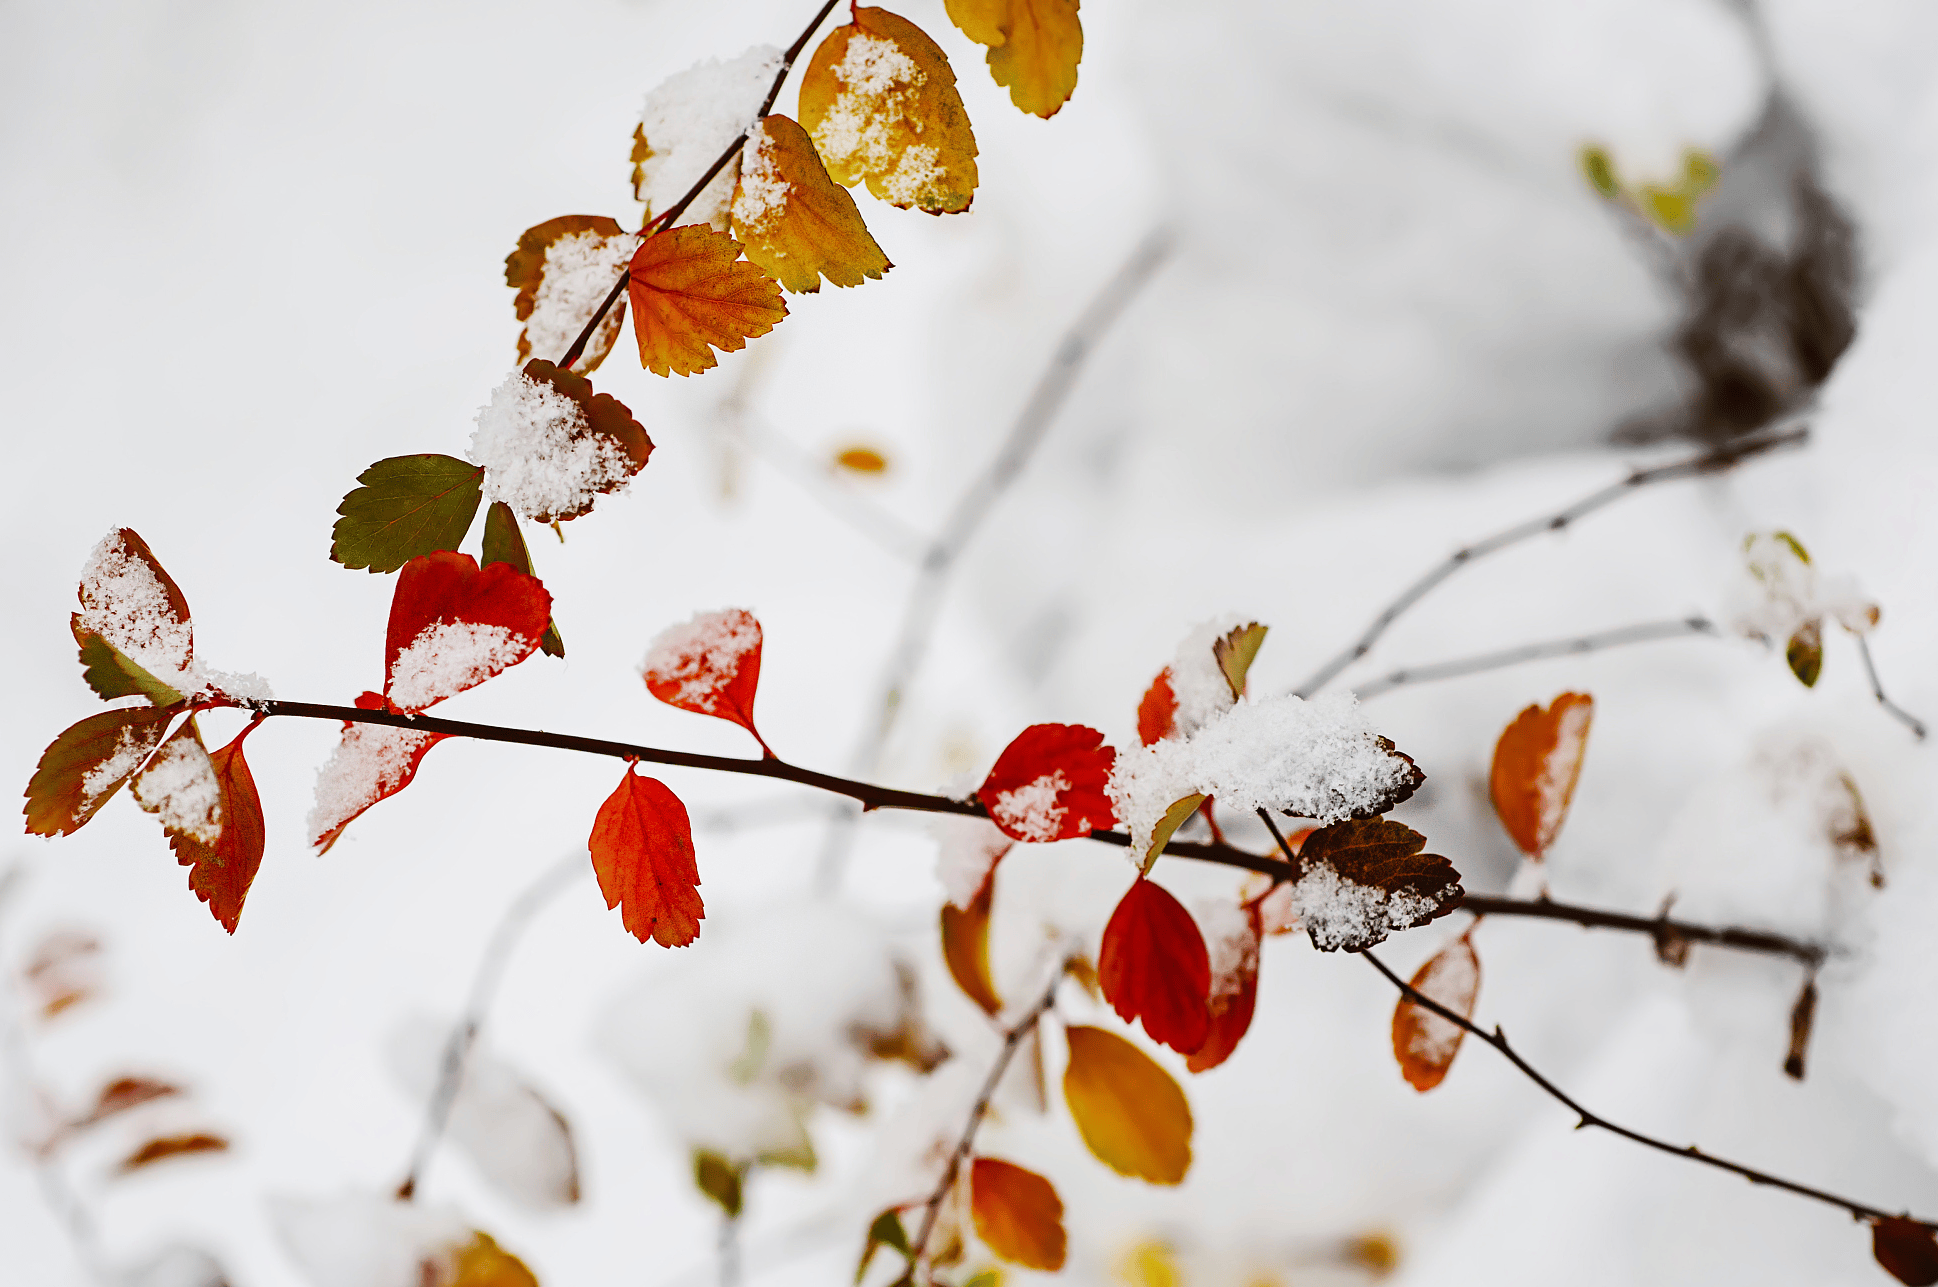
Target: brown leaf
1425 1043
693 294
1805 652
166 1146
1034 47
1536 764
1131 1113
796 223
1365 878
965 948
563 269
1018 1214
122 1094
1906 1249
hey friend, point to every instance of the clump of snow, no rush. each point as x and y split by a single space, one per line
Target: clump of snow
701 654
449 657
968 849
1197 680
1785 590
690 119
763 192
372 761
134 744
1318 759
124 602
579 271
370 1240
1343 914
245 687
1033 810
179 787
540 454
863 128
1231 939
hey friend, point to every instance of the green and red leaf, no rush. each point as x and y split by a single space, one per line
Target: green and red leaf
82 768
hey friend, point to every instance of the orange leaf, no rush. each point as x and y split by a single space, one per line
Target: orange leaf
642 852
965 947
483 1263
222 870
1906 1249
1034 47
879 99
692 294
454 625
122 1094
797 223
1536 764
373 762
1153 966
563 269
1233 997
1051 784
1131 1113
168 1146
710 666
1017 1213
1157 714
1424 1042
82 768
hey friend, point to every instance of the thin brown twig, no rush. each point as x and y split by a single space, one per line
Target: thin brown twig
1646 632
1712 461
1891 708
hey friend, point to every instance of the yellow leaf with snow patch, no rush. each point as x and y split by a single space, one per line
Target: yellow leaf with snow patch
796 223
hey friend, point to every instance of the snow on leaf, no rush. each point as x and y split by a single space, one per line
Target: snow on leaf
1034 47
642 852
965 948
1364 879
709 665
1018 1214
82 768
1233 995
967 851
1205 678
1131 1113
130 601
692 294
563 270
1050 784
879 100
796 223
688 121
1787 598
550 447
366 1240
454 625
505 543
373 762
1154 967
223 869
1424 1043
179 786
1537 762
1317 760
404 507
1906 1249
163 1147
111 673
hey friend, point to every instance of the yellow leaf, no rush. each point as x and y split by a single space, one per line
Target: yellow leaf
862 460
965 947
483 1263
1130 1112
1034 47
1150 1263
879 99
797 223
1018 1214
691 294
1174 817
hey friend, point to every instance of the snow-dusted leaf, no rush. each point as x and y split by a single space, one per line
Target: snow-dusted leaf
179 786
164 1147
367 1240
505 543
112 674
550 446
965 948
1034 47
130 601
373 762
1233 939
1366 878
692 293
563 270
879 100
1537 762
1424 1043
82 768
1050 784
1131 1113
1205 679
454 625
1805 652
1788 598
1154 967
709 665
404 507
796 223
222 869
1906 1249
688 121
642 852
1018 1214
884 1231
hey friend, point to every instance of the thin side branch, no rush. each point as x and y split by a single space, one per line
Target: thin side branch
1891 708
1586 1119
1646 632
1713 461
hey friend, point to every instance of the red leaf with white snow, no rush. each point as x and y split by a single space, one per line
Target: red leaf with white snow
223 869
1049 784
710 666
1233 995
372 763
642 852
1153 966
454 625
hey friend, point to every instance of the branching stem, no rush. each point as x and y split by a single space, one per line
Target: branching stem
1895 711
1646 632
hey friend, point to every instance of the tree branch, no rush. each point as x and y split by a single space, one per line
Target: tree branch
1709 462
1891 708
1498 1040
1646 632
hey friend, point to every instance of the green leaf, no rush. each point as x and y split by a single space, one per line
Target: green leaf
887 1231
112 673
719 1179
406 506
505 543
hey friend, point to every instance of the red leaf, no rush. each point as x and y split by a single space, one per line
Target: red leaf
83 767
1049 784
372 763
710 666
453 626
1425 1043
1017 1213
1233 998
1158 712
223 871
642 852
1906 1249
1153 966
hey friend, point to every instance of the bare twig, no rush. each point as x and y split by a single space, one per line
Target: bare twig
484 989
1585 1119
1660 928
1897 712
1012 1041
1646 632
1709 462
